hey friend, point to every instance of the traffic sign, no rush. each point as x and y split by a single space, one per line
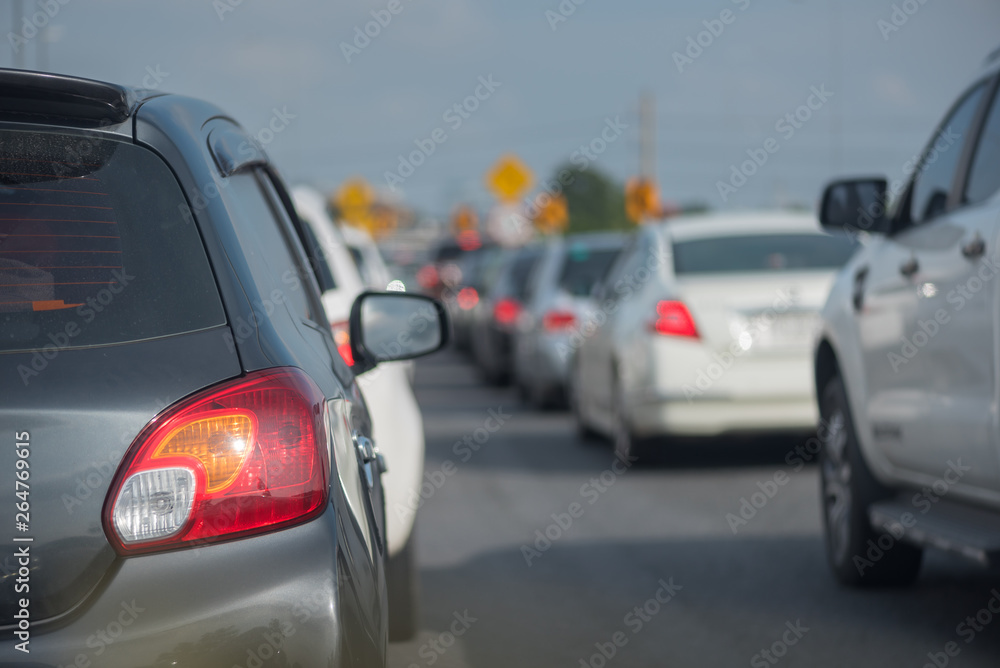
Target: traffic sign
354 200
553 213
642 200
465 218
509 178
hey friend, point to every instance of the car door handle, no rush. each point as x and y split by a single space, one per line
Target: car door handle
366 455
975 248
910 267
858 294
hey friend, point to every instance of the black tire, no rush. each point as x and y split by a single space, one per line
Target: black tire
585 433
524 394
847 491
402 581
627 446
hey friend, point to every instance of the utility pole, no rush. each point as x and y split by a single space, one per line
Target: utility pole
647 136
837 63
18 17
42 50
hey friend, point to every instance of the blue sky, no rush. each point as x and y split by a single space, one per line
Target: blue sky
559 83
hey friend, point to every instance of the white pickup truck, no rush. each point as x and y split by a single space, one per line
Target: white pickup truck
907 364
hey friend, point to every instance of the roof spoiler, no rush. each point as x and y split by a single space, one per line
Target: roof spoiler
43 97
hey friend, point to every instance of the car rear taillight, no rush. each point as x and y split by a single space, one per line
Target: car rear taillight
245 457
506 311
342 337
558 321
467 298
427 277
469 240
674 319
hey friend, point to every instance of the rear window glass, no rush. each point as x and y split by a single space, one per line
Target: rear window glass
448 252
761 253
520 271
94 248
583 267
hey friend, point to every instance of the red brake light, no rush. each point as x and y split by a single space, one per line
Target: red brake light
506 311
469 240
428 277
245 457
674 319
342 337
556 321
467 298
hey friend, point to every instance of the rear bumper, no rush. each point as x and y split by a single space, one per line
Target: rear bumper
685 389
676 416
231 604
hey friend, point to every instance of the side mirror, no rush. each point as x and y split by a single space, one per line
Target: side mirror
856 205
387 326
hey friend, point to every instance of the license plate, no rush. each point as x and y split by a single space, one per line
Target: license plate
786 330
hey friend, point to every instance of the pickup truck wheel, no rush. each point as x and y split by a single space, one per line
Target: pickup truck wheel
401 581
848 489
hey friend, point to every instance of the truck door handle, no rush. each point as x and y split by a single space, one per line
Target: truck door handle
975 248
910 267
858 294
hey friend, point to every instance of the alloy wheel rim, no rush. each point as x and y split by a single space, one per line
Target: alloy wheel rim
837 498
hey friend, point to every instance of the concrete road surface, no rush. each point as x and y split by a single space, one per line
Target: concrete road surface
539 549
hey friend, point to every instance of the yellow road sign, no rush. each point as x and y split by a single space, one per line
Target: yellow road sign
509 178
642 199
465 218
553 213
354 199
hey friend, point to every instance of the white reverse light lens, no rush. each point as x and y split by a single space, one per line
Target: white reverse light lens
154 504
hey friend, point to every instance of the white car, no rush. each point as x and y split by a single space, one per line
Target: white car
397 423
703 326
371 266
373 271
908 362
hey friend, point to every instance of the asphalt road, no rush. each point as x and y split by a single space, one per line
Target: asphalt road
640 566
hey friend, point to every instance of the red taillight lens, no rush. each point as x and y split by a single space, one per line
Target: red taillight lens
674 319
243 458
469 240
558 321
427 277
506 311
342 337
467 298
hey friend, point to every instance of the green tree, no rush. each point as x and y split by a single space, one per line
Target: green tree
595 201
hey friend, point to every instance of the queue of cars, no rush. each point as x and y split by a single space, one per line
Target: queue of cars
881 337
199 438
189 449
697 326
